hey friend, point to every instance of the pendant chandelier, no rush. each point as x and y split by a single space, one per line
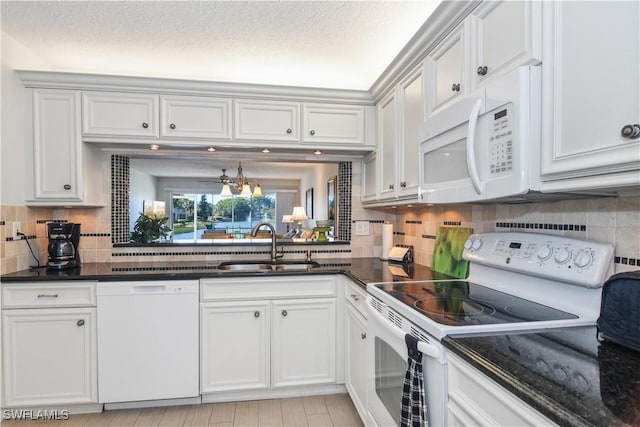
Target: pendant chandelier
240 183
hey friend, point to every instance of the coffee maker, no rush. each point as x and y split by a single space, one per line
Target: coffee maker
64 239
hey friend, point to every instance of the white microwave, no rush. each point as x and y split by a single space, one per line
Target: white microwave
486 146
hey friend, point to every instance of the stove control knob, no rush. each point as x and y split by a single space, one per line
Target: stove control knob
477 244
584 259
468 243
562 256
544 253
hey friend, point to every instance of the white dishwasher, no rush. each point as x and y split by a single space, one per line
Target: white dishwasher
147 340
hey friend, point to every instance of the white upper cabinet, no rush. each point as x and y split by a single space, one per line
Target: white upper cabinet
64 170
266 121
503 35
369 178
120 114
195 117
446 69
591 95
412 108
388 145
332 124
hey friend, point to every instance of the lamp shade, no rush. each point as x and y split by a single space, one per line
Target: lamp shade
257 190
299 213
226 191
286 219
246 190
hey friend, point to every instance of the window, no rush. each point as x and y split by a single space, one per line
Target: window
193 214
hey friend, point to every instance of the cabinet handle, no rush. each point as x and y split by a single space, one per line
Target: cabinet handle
312 132
256 314
145 125
455 87
403 184
355 297
630 131
289 130
284 313
80 322
390 186
172 126
67 187
482 70
47 295
363 335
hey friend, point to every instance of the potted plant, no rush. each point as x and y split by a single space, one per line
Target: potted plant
150 228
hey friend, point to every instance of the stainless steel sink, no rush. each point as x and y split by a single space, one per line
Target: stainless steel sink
261 266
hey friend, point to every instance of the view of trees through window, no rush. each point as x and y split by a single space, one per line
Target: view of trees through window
195 213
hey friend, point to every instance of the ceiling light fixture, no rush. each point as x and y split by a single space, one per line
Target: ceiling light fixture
317 152
240 183
154 147
211 149
266 150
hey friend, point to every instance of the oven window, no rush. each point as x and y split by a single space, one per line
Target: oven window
390 371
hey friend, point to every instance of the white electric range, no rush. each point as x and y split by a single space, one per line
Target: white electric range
517 282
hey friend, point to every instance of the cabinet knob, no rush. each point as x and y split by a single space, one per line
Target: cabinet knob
363 335
172 126
403 184
390 186
67 187
284 313
80 322
482 70
145 125
289 131
312 132
256 314
455 87
630 131
355 297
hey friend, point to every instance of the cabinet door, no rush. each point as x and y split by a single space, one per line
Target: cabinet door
195 117
234 346
49 357
388 134
304 342
333 124
504 35
369 178
412 113
57 145
120 114
266 121
585 107
356 372
446 71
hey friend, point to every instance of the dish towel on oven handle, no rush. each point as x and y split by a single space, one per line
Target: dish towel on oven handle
414 409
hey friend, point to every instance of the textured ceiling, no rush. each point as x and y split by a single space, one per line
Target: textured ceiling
330 44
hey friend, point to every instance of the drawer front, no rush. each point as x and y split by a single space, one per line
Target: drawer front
357 297
48 294
255 288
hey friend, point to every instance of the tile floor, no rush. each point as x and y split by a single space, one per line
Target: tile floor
330 410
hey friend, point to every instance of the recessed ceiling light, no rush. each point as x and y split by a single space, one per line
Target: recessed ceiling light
211 149
317 152
154 147
266 150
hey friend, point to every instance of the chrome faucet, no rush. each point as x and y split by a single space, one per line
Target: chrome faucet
274 252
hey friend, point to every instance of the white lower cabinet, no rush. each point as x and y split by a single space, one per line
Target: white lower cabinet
476 400
49 354
267 333
356 350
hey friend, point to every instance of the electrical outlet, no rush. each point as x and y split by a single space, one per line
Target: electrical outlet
16 228
362 228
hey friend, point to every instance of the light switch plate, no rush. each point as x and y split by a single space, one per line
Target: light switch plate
362 228
16 228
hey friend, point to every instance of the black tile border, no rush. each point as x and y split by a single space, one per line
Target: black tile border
45 221
627 261
413 222
399 233
95 234
11 239
2 223
429 236
454 223
370 221
542 226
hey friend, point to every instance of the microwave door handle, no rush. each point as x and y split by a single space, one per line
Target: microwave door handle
429 349
471 146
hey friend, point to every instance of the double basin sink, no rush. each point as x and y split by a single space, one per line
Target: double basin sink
262 266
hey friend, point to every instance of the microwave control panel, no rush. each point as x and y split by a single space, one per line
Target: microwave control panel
501 140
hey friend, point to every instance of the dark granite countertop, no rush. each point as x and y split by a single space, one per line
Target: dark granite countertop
362 270
565 374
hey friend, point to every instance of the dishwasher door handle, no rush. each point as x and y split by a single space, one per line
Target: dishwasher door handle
154 289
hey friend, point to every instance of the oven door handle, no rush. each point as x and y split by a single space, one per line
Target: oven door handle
432 350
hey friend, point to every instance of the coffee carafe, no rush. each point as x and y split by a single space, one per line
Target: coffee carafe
64 239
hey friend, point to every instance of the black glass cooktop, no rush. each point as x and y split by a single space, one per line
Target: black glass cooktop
460 303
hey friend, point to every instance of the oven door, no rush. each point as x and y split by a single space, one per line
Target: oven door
387 365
